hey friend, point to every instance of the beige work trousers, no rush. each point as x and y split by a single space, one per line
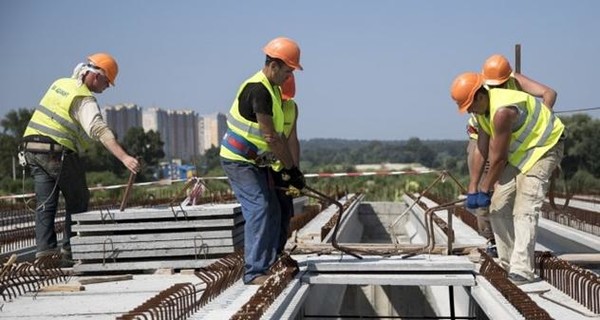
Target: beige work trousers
515 209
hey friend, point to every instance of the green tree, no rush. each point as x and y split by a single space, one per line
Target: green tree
13 126
582 151
209 161
15 122
147 146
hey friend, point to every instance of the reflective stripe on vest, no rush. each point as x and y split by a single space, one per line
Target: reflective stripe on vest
52 117
540 131
248 130
472 127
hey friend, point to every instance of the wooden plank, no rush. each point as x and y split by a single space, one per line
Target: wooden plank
6 267
105 279
166 236
63 288
165 225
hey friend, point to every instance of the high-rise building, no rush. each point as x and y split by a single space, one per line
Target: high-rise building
214 127
157 120
183 126
121 117
184 133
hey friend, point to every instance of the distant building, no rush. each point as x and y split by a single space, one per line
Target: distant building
183 126
214 127
391 167
185 134
121 117
157 120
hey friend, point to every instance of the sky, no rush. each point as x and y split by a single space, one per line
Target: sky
373 69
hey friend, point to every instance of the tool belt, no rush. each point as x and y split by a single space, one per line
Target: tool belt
246 149
41 144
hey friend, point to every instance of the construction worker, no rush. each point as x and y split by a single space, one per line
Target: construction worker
254 143
522 140
290 116
498 73
60 128
484 226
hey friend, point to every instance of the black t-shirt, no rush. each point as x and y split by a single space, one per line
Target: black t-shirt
255 98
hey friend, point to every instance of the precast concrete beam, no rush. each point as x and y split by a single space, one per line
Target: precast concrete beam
392 279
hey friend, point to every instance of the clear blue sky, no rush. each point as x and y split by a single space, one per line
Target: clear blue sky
373 69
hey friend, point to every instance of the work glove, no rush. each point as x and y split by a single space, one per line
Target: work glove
484 199
295 177
471 202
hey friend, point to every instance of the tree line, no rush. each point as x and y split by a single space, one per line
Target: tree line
580 166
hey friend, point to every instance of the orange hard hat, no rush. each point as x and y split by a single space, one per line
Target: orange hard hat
288 88
107 63
464 87
496 70
285 49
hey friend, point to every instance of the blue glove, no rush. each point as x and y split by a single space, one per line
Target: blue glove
471 202
484 199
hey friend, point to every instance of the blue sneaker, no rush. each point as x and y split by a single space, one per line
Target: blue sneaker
491 249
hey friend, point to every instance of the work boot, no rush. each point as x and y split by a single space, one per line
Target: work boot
66 259
518 279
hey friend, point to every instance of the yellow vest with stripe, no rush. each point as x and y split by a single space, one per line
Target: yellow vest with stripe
473 124
289 116
539 131
52 118
251 130
511 84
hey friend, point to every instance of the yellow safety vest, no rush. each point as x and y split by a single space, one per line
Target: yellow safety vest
52 117
539 131
511 84
289 116
248 130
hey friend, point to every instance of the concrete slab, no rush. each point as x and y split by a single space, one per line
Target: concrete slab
392 279
391 264
110 266
99 301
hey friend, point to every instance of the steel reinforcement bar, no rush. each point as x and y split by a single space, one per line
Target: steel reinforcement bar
580 284
283 271
519 299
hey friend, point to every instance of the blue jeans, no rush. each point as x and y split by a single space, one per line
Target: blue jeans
260 208
286 205
53 173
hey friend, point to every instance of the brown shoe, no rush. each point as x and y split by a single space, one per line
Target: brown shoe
259 280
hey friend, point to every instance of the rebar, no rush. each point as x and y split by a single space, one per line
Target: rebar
220 275
176 302
519 299
283 271
580 284
19 278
